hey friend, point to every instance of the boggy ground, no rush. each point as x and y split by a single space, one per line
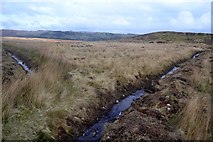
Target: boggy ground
74 83
179 110
10 68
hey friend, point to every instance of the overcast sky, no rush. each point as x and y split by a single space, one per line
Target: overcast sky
121 16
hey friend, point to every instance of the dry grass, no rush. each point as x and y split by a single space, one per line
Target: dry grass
67 81
195 119
107 61
41 93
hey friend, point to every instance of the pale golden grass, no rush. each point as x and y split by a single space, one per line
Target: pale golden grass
42 93
67 82
108 61
195 118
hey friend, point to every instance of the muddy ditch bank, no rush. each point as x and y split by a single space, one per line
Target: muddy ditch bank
10 69
25 57
153 116
107 100
110 98
20 62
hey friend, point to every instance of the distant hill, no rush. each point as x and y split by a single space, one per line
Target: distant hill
164 37
158 37
68 35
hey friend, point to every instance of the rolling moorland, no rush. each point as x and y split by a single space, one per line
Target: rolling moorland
68 35
74 83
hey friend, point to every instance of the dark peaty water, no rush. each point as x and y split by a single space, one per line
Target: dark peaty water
94 133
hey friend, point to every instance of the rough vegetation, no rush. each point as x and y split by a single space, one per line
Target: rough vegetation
179 110
10 68
168 37
73 82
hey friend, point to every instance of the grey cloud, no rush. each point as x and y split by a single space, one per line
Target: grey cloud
127 16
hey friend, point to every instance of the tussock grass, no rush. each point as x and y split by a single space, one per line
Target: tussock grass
48 89
67 76
195 119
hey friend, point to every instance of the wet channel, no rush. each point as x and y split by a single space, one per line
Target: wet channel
21 63
95 132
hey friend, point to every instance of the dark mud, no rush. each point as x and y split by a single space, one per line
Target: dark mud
150 85
151 117
95 132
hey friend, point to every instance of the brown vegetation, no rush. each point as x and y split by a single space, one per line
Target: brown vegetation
195 119
179 110
72 80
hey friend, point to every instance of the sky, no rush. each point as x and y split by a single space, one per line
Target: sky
116 16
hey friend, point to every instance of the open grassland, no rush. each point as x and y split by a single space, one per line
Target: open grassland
73 81
166 37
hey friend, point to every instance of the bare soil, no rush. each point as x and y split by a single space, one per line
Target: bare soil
97 82
156 116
